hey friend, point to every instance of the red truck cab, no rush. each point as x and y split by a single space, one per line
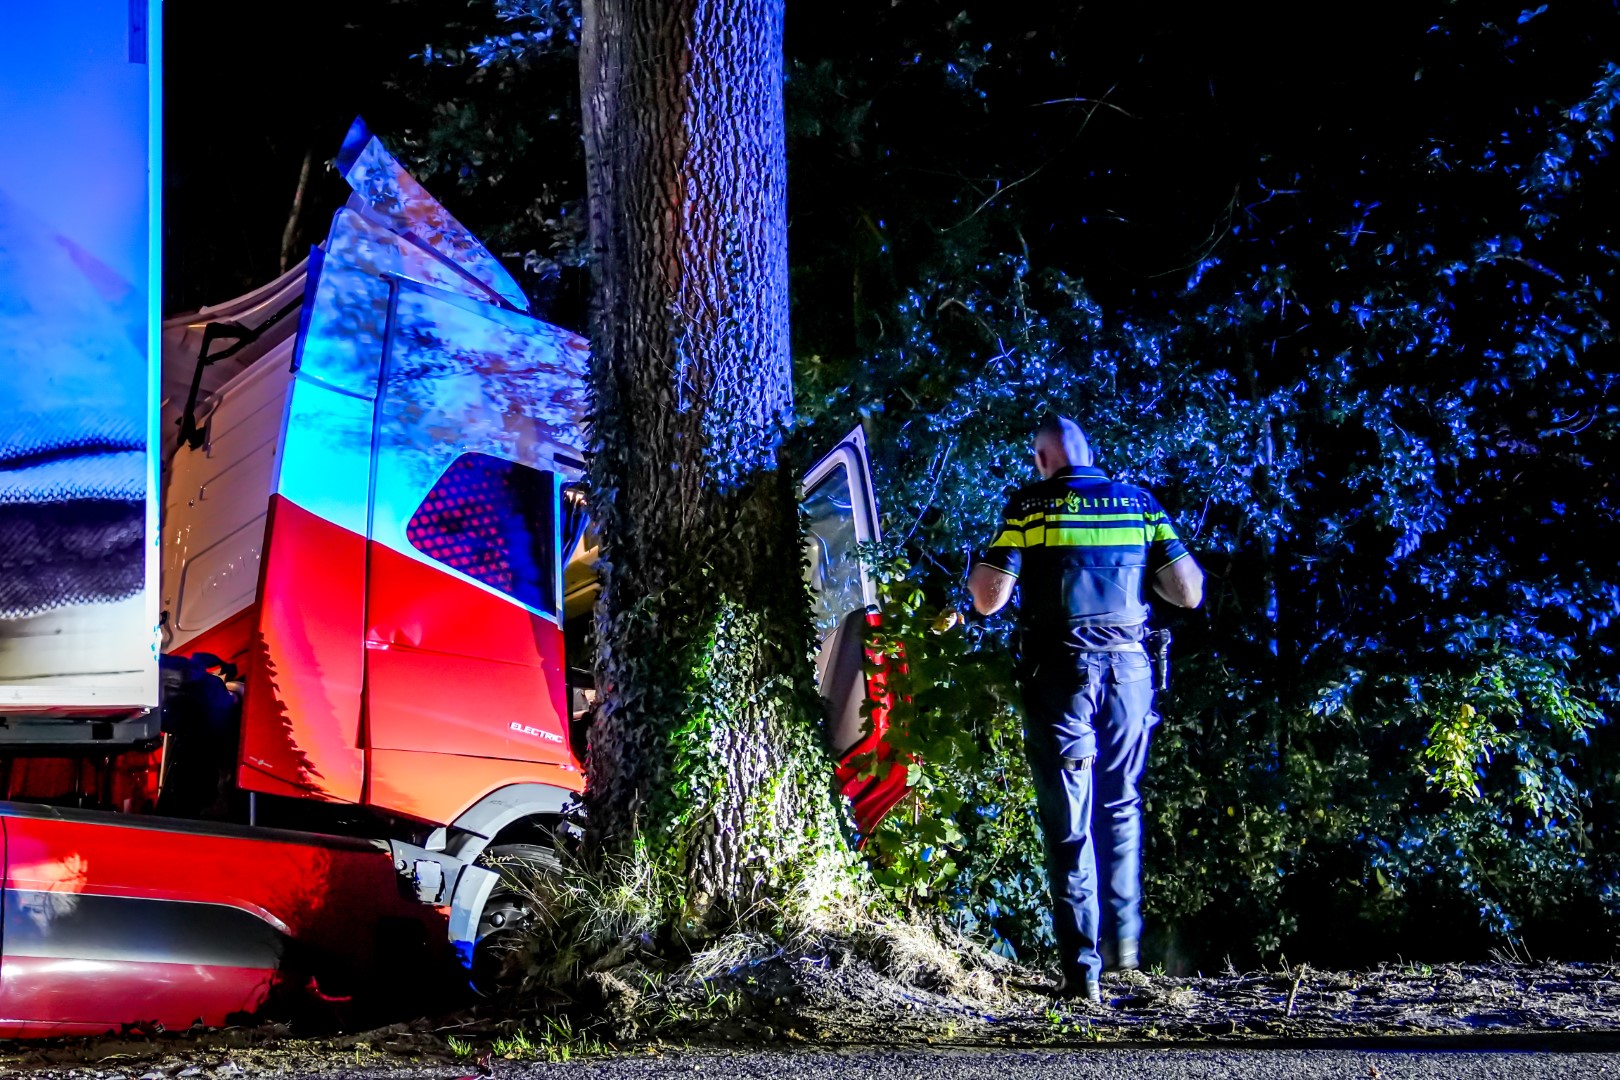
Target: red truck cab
375 555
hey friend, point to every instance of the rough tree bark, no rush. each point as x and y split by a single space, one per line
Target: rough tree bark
706 754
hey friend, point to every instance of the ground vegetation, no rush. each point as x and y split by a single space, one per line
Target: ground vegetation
814 1008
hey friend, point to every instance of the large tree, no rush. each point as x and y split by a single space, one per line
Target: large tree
705 754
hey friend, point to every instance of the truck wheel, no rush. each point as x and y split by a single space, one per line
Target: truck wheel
498 958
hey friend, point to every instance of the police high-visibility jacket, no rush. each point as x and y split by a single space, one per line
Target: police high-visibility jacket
1083 547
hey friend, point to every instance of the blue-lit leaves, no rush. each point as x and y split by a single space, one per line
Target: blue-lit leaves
1204 265
1386 427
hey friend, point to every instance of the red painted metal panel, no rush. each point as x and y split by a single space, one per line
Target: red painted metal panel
870 774
304 884
413 604
455 669
127 781
48 996
115 919
439 787
447 704
301 717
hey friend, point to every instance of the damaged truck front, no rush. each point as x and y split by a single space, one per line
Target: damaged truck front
376 583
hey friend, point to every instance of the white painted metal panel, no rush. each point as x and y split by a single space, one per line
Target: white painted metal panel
217 497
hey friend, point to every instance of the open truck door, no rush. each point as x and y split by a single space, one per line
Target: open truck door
838 500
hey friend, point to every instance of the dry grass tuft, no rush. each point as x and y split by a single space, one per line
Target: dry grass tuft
583 920
601 940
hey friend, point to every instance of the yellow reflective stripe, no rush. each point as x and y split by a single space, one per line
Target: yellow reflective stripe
1172 562
1161 532
1158 515
1057 537
1089 518
1019 523
1009 538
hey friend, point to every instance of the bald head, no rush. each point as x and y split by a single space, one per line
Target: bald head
1059 444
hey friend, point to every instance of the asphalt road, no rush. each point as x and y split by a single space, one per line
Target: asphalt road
1091 1064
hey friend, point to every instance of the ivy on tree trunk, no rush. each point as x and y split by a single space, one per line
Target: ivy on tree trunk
706 754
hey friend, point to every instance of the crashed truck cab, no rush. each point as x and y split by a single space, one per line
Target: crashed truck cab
376 586
368 518
366 512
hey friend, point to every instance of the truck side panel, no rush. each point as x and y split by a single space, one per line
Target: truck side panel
113 920
216 502
301 715
458 670
441 787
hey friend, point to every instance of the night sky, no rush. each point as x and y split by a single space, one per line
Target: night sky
1197 105
243 103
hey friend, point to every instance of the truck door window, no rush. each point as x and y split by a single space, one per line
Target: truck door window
491 519
832 568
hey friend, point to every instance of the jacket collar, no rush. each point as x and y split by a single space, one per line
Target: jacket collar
1080 472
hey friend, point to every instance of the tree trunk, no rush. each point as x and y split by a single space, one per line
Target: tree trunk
706 754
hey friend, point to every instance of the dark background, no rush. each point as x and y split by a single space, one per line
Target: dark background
1196 102
1229 205
244 101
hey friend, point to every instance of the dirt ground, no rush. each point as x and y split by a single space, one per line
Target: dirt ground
821 1003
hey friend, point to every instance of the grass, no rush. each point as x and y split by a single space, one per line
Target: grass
678 1002
555 1040
720 1002
1064 1024
579 916
602 927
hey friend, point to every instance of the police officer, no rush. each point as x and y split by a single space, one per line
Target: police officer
1085 547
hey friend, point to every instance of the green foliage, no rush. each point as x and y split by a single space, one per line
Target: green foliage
1382 454
723 698
1469 717
1378 397
965 839
554 1040
1359 336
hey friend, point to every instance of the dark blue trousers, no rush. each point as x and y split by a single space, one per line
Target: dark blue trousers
1086 733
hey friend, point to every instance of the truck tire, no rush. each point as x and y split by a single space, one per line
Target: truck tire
498 958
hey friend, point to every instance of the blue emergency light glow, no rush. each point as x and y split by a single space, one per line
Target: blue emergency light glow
81 262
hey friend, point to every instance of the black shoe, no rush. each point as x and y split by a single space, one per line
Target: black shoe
1075 989
1119 956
